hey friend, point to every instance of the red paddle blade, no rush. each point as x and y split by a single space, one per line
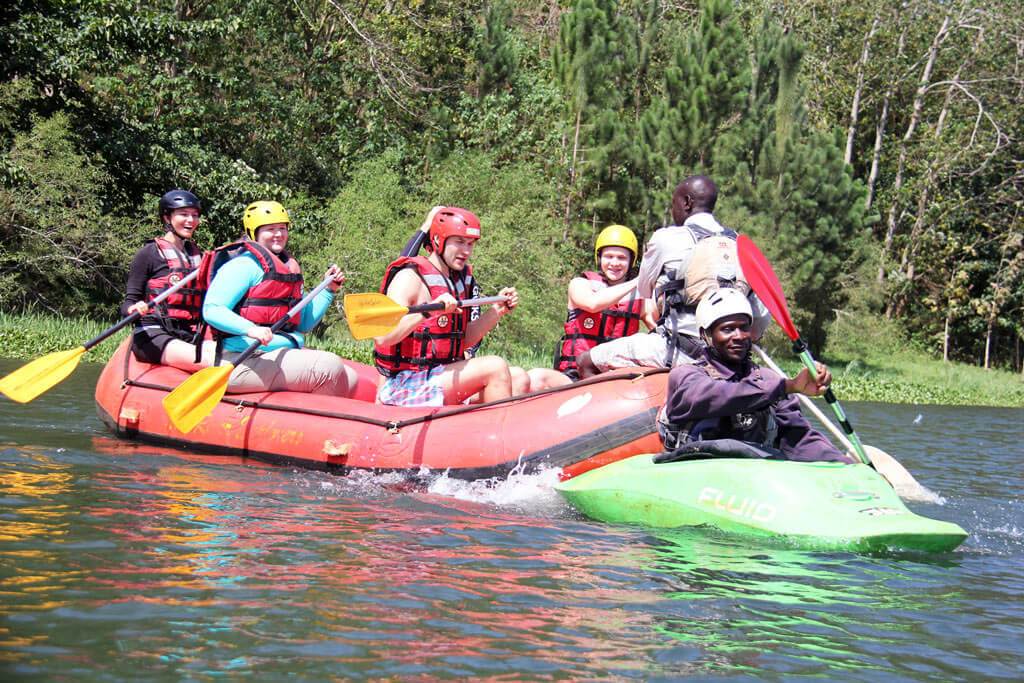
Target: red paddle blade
765 283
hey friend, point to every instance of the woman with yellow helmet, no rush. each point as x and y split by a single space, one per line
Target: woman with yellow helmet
603 305
256 289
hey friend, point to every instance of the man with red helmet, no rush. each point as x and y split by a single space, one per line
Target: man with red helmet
423 357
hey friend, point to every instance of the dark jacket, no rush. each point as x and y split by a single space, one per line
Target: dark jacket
694 394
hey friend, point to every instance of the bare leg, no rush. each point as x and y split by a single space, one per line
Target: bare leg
488 375
520 381
545 378
585 366
182 355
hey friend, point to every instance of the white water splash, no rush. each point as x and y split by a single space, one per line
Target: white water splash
518 490
918 492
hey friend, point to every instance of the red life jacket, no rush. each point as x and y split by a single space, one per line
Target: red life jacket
437 340
280 289
186 303
585 330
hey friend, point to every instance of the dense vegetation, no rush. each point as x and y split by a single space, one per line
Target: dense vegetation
872 149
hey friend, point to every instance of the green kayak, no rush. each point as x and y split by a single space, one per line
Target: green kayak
818 505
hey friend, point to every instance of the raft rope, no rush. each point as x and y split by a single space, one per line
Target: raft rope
396 425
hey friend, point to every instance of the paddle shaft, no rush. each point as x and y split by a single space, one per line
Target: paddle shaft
468 303
135 316
766 285
284 321
412 247
808 403
800 348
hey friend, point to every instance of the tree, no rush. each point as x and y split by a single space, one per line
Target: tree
64 247
704 90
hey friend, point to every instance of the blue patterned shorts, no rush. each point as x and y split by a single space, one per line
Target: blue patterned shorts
413 388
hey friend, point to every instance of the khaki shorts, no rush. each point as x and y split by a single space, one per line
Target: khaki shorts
647 349
306 370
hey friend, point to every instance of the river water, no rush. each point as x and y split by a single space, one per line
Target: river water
124 562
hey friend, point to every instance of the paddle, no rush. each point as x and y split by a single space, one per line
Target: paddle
42 374
374 315
196 397
766 285
886 465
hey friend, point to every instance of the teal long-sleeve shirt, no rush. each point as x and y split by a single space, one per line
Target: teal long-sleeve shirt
232 281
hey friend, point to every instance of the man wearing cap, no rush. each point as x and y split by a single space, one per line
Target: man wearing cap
724 395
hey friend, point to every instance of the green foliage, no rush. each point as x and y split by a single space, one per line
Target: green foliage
796 196
518 247
705 87
358 115
62 248
33 334
496 56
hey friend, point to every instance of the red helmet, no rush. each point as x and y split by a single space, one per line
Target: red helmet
450 221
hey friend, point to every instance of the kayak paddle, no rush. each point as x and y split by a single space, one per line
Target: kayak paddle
886 465
766 285
42 374
374 315
197 396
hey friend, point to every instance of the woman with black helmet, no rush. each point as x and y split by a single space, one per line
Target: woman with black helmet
165 334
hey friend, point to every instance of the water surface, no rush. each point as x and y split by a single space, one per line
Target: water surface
125 562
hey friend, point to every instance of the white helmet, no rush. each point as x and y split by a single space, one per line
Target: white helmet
719 304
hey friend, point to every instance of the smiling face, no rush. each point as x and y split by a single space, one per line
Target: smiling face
615 263
457 250
730 338
183 222
273 236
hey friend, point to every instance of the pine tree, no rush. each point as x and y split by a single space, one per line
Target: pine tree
601 61
495 56
792 188
704 89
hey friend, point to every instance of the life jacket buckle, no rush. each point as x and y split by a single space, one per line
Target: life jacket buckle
393 427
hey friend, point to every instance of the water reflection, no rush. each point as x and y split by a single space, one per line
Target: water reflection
758 603
121 562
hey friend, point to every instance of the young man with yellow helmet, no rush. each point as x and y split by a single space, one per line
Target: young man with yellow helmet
603 305
254 290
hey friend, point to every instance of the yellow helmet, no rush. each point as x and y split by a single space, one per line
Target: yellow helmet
615 236
259 214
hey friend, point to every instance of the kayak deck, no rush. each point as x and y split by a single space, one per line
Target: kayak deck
818 505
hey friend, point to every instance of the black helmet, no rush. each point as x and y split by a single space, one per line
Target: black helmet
179 199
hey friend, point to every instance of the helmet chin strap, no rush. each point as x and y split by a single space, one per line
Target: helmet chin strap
440 256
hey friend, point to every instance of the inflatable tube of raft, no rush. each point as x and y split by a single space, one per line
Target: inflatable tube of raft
576 427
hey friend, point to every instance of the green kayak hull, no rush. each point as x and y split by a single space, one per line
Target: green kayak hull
812 505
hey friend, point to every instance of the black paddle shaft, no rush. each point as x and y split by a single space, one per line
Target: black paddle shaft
135 316
284 321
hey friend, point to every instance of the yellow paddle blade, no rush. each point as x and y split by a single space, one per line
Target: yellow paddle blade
196 397
30 380
372 315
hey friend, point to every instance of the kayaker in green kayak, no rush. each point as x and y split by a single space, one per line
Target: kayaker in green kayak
725 395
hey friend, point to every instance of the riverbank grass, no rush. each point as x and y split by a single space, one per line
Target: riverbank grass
870 361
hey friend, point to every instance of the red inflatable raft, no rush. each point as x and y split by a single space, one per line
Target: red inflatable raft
576 427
